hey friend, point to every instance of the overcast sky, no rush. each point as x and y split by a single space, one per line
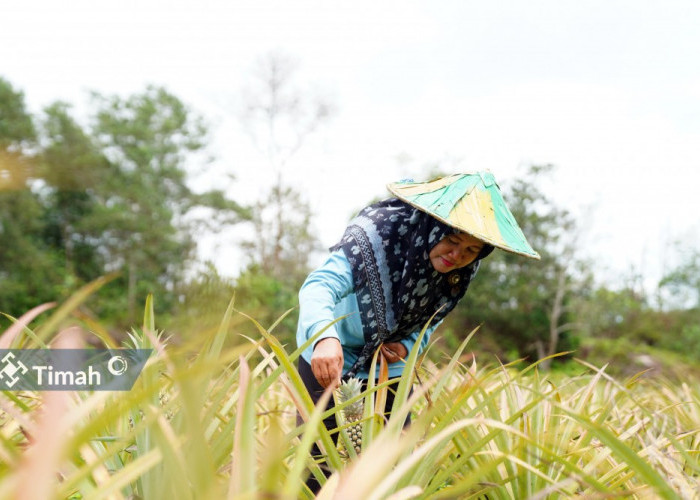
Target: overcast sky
608 91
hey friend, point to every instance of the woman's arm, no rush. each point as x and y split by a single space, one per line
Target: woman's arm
409 341
397 351
318 296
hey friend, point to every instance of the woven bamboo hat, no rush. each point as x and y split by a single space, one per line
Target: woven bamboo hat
470 202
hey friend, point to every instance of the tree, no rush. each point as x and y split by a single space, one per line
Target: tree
17 139
16 125
279 118
283 238
144 198
683 282
77 203
29 271
73 169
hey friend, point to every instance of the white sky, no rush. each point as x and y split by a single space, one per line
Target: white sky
609 91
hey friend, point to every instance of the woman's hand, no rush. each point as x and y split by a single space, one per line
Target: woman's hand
327 362
394 351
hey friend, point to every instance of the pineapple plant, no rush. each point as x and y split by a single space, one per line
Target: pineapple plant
353 412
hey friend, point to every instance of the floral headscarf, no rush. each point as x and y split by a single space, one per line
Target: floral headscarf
397 288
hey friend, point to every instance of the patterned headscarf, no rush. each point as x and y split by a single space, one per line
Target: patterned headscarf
397 288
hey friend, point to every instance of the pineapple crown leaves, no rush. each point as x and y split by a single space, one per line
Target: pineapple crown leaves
137 339
349 389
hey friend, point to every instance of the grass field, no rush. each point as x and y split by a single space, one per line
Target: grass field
213 422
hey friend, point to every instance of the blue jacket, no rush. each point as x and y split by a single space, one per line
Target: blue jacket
327 294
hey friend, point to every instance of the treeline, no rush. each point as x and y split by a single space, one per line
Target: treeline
78 202
536 309
109 195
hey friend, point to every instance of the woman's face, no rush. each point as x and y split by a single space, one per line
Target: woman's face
455 251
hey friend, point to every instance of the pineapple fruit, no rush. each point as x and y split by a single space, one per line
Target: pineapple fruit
352 413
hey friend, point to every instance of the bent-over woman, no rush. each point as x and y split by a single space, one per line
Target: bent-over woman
399 262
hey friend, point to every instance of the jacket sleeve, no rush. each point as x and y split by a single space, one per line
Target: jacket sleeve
319 294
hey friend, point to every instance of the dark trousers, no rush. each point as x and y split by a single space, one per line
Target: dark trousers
316 391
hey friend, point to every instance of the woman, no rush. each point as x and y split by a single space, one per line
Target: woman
400 262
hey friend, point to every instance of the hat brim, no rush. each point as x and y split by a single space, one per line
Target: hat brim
471 203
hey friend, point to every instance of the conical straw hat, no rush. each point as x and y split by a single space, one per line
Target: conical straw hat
471 203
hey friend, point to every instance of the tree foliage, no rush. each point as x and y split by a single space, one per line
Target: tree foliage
79 202
683 282
145 138
30 271
16 124
73 169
